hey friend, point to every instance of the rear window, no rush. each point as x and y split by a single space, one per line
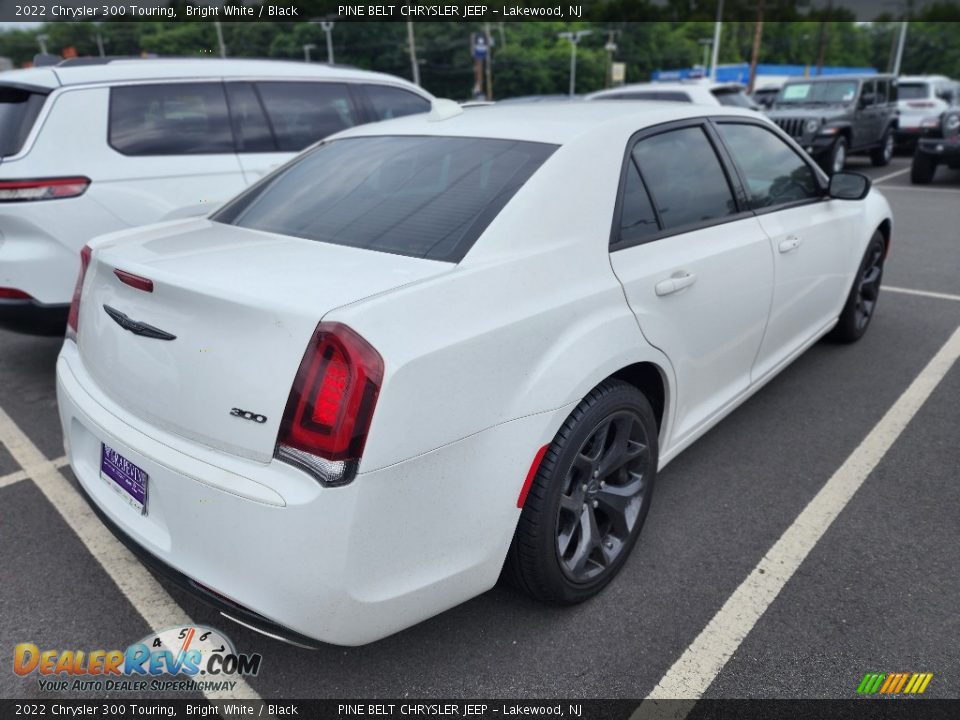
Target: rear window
18 111
170 119
390 102
426 197
913 91
733 98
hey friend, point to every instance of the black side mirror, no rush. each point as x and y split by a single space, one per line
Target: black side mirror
848 186
867 99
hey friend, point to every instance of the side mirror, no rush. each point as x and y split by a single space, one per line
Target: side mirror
848 186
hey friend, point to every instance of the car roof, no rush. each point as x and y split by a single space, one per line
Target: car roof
923 78
137 69
557 123
849 76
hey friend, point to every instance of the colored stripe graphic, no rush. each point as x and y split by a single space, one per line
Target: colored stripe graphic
894 683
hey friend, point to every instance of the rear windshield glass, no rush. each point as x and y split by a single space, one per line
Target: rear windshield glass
733 98
913 91
18 111
829 91
427 197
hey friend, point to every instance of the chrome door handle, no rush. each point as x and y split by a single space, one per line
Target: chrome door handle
675 283
789 244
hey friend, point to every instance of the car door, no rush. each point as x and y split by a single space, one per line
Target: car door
866 120
275 119
811 237
171 152
695 267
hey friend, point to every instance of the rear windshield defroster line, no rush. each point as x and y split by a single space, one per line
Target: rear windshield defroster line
419 196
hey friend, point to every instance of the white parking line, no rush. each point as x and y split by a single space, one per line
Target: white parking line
19 475
702 661
136 583
922 293
897 173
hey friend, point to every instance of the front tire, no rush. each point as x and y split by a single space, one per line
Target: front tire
922 169
836 157
862 301
589 499
881 155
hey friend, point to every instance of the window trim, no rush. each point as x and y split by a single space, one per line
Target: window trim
263 111
186 81
791 143
733 181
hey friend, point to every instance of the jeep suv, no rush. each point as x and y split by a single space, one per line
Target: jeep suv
90 147
938 144
836 116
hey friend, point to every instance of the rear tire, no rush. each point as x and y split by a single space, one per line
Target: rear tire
922 169
880 156
589 498
861 303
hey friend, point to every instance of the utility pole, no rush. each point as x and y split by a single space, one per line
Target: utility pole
900 44
755 54
42 41
706 42
716 41
574 38
223 48
411 42
103 52
486 32
306 51
327 27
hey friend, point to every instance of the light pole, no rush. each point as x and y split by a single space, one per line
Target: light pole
707 43
42 40
900 44
327 27
716 41
574 38
306 51
412 43
223 48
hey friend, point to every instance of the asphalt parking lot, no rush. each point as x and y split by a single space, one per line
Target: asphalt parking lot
877 591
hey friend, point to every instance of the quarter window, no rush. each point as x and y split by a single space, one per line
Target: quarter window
250 126
685 177
391 102
170 119
303 112
774 174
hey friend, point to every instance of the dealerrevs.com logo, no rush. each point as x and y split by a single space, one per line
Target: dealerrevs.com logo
204 659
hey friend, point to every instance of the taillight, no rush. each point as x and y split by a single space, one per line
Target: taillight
13 294
42 189
134 281
920 104
328 413
73 319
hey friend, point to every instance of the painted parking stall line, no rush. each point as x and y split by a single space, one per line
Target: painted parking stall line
147 596
922 293
19 475
890 176
690 676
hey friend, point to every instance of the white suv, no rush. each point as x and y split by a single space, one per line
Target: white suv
88 148
921 100
698 92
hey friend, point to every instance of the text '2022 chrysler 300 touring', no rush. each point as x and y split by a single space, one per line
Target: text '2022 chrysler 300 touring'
447 348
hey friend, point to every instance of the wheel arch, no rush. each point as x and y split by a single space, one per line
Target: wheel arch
650 379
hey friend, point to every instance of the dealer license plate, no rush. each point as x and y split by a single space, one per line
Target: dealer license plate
126 479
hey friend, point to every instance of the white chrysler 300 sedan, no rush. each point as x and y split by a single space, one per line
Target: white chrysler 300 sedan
430 351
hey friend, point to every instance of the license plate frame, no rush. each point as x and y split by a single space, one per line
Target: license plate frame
130 482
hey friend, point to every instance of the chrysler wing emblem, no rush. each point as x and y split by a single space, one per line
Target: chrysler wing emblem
136 327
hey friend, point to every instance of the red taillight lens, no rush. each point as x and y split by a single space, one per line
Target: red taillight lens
134 281
331 403
13 294
42 189
74 317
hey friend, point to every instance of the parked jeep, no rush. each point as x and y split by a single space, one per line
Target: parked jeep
939 143
836 116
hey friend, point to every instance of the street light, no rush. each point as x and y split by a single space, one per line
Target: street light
707 44
574 38
42 40
327 27
306 51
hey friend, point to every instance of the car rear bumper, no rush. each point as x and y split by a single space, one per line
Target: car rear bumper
269 547
33 317
940 147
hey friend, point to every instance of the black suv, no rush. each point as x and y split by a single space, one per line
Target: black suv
836 116
938 143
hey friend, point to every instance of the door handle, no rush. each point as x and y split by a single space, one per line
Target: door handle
675 283
789 244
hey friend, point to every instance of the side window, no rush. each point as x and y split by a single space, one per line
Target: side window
170 119
250 127
390 102
868 93
882 92
685 177
774 174
638 220
303 112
